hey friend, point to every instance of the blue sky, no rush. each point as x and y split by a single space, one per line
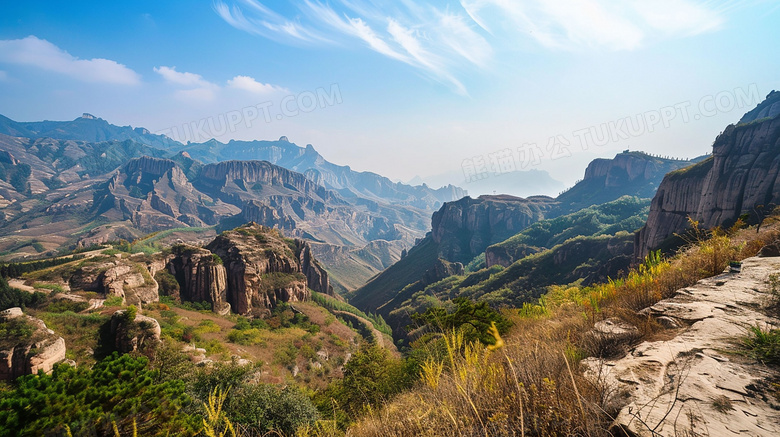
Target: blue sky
450 91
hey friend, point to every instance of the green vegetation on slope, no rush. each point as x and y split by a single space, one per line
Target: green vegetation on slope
624 214
577 260
332 303
603 189
119 391
385 285
528 380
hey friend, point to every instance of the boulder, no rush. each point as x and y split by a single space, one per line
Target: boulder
131 335
39 351
770 250
611 337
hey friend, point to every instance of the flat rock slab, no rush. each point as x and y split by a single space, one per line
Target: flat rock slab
694 384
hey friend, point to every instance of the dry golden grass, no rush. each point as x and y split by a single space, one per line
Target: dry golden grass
530 386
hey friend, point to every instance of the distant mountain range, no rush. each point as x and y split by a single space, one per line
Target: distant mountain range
521 183
86 128
463 230
87 181
588 233
342 179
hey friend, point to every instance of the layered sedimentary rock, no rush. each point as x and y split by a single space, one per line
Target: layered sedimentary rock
463 229
628 173
129 277
24 356
153 194
687 383
202 277
741 177
262 268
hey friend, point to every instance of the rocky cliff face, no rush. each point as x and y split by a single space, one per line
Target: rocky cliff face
316 276
261 268
463 229
505 256
742 174
201 276
252 172
155 194
628 173
40 349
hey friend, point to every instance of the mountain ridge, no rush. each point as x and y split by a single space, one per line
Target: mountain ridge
741 177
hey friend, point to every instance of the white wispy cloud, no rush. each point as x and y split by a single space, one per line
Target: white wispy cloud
267 23
39 53
433 40
250 84
607 24
443 39
195 86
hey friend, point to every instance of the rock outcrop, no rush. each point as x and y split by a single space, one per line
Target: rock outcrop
130 335
263 268
316 276
131 280
463 229
32 347
628 173
201 276
690 385
505 256
252 172
741 177
440 270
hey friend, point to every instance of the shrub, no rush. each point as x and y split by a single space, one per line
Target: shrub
246 337
261 409
15 331
207 326
764 345
131 313
13 297
371 378
63 305
119 390
473 319
286 355
55 288
267 408
113 301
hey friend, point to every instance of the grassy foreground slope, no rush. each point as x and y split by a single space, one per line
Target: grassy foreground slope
529 382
